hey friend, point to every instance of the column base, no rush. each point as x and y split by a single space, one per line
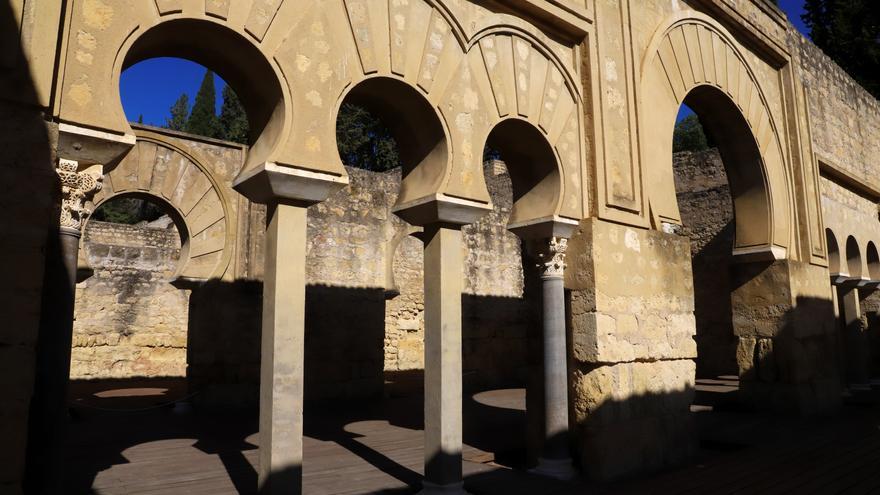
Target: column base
560 469
429 488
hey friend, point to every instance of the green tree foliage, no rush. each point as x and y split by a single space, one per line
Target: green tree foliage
689 135
233 120
179 114
364 141
127 210
203 119
848 31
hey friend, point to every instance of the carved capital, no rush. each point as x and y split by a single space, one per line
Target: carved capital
552 257
77 188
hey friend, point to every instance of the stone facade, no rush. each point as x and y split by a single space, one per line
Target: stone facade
582 95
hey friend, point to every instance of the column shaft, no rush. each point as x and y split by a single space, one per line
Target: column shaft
555 460
281 363
47 429
854 352
443 378
555 371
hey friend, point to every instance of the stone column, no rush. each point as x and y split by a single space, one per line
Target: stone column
443 378
854 349
555 459
48 413
282 353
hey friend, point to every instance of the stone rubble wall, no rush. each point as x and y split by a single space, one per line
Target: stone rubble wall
130 321
365 303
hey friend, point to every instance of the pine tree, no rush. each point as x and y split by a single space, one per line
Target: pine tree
179 114
141 119
689 135
233 120
364 141
203 119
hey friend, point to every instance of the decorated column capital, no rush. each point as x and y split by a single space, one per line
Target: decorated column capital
78 187
551 254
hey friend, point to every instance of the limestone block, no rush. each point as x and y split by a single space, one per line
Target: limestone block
745 357
644 406
614 393
411 354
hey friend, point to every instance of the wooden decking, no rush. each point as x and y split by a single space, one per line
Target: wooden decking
375 447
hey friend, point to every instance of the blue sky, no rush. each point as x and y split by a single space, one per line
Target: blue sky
150 88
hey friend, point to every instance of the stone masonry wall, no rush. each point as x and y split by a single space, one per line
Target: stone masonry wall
365 323
844 118
130 321
364 316
632 337
706 206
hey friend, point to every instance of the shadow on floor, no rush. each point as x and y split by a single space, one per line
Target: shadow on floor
120 424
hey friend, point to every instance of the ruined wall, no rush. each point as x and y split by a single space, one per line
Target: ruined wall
130 321
707 214
364 319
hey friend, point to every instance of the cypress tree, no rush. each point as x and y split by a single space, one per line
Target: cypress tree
203 119
233 120
179 114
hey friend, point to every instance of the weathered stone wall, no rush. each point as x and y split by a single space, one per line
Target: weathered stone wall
130 321
364 321
844 118
707 214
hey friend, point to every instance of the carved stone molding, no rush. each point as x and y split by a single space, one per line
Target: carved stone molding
77 188
552 257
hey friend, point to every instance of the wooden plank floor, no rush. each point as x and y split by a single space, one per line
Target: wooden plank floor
127 447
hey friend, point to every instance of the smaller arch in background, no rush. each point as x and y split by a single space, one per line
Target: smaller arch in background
872 257
536 177
168 209
392 289
159 169
833 253
853 258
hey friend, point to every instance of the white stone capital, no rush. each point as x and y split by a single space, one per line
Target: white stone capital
552 257
78 187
